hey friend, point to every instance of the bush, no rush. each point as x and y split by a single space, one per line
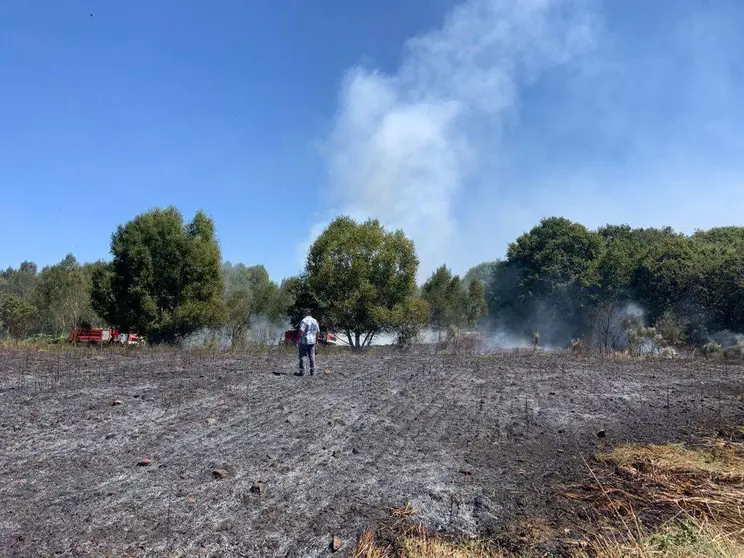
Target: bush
672 328
578 347
735 352
712 349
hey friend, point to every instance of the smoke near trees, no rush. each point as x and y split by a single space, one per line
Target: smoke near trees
569 282
614 288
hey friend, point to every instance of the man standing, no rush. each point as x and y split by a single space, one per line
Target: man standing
309 329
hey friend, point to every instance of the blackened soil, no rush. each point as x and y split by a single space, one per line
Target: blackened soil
474 442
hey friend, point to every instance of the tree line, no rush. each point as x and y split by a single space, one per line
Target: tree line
568 282
166 280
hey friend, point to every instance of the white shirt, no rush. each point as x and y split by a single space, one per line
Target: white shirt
309 330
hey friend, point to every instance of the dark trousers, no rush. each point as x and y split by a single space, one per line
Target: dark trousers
309 352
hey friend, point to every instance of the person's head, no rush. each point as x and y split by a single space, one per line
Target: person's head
306 312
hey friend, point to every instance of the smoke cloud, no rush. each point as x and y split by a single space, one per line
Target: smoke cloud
512 111
404 144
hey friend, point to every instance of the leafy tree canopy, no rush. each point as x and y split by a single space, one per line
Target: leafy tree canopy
16 315
165 280
357 274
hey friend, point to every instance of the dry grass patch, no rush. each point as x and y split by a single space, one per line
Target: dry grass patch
368 547
416 542
723 460
654 501
669 500
405 512
433 547
687 538
657 482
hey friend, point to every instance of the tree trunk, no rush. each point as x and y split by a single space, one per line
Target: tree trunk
367 338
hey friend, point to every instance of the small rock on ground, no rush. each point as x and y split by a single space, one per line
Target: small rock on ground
258 488
144 462
220 473
336 544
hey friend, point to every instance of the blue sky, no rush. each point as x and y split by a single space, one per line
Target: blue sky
463 123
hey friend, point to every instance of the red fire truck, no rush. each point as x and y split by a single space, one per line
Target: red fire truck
291 337
101 335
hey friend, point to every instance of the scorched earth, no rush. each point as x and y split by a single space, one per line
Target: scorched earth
185 453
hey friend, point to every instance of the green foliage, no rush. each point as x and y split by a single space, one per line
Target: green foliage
249 293
62 293
16 315
475 303
672 327
446 297
407 320
19 282
298 296
549 280
568 281
165 280
482 272
356 276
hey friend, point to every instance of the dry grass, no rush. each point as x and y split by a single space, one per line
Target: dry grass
416 542
432 547
405 512
718 459
693 496
706 482
687 538
368 547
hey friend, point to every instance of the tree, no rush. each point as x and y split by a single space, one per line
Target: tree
608 331
248 293
19 281
165 280
408 320
482 272
446 298
356 275
476 307
62 293
16 315
549 281
669 276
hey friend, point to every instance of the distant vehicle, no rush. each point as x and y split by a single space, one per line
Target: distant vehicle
291 337
102 336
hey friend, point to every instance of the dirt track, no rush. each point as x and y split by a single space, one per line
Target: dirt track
473 442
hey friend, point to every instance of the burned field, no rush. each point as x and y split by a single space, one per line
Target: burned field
185 453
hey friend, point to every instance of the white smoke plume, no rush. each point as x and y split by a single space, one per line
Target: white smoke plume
404 144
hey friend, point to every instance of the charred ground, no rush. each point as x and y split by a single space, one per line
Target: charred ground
474 442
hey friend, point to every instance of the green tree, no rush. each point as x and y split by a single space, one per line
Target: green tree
356 275
549 281
19 282
165 280
16 315
446 298
475 307
295 292
482 272
249 292
669 276
62 294
408 320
